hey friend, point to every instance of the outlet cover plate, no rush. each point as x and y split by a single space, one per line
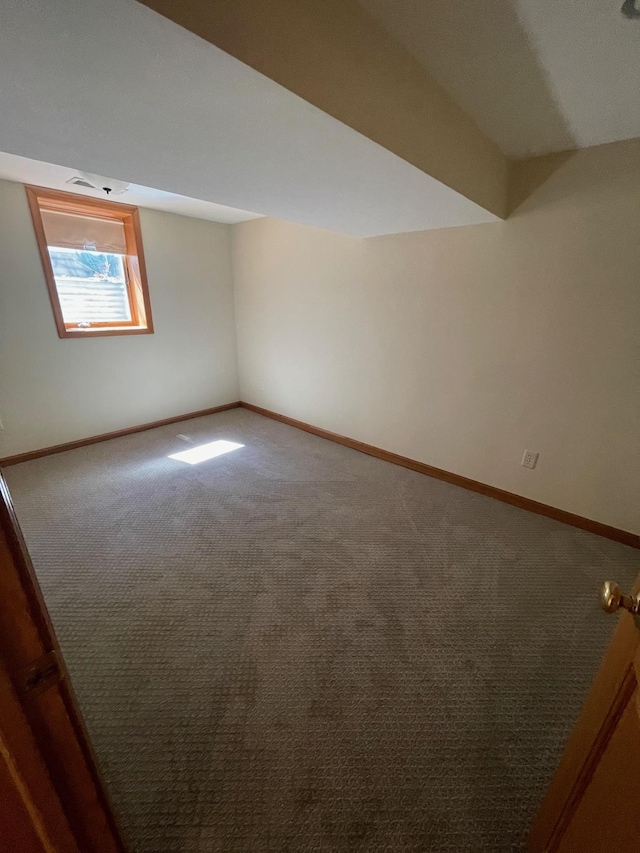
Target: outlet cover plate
529 459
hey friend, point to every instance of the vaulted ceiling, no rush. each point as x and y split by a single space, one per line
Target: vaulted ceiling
361 116
118 90
536 75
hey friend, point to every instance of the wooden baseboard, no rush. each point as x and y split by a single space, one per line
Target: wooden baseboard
94 439
631 539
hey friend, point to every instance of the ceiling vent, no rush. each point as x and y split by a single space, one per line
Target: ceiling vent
79 182
96 182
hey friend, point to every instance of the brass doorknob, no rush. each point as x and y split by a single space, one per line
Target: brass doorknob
612 598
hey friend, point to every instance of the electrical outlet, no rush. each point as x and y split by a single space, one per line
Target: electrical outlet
529 459
261 385
1 424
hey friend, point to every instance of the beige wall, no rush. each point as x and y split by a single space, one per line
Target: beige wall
459 347
462 347
53 391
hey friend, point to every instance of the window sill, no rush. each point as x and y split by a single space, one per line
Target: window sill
101 332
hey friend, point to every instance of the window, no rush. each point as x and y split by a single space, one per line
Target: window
93 263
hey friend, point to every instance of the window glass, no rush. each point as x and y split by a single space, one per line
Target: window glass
92 286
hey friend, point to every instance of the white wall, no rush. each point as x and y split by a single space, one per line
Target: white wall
53 391
464 346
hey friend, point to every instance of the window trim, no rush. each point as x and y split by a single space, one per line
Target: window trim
40 198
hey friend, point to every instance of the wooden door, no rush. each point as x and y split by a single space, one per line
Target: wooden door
51 793
592 803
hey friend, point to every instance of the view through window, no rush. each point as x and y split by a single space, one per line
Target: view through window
92 286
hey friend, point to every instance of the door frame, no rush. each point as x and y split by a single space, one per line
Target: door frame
42 711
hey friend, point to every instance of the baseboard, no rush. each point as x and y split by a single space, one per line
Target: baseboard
605 530
631 539
94 439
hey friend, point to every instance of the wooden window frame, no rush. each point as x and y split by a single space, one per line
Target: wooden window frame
141 322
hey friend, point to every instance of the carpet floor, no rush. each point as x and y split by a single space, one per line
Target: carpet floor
297 647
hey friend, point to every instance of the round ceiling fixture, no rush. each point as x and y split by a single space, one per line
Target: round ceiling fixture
630 10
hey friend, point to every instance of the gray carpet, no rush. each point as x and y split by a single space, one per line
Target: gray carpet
296 647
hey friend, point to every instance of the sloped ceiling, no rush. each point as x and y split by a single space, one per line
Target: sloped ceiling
117 90
536 75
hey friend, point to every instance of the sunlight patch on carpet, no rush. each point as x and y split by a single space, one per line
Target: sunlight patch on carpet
205 451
